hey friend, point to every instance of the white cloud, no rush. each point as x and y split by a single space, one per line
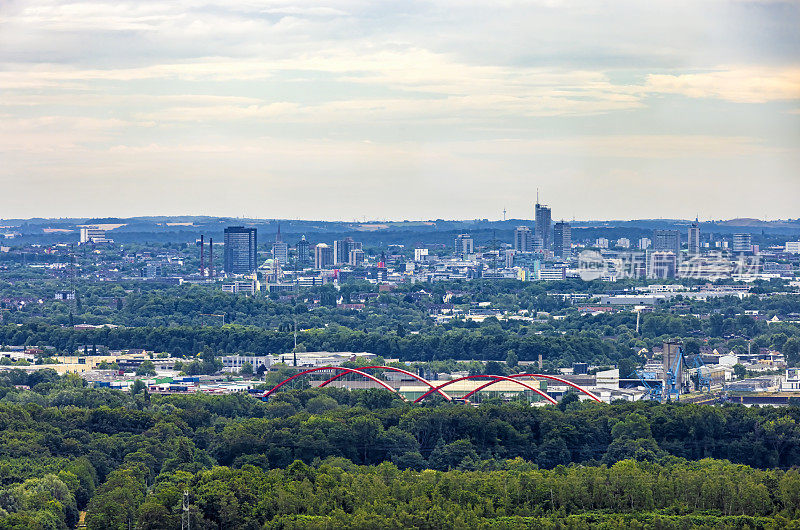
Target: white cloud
449 93
742 85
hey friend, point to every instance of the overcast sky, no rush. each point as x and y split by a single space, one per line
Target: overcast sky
403 110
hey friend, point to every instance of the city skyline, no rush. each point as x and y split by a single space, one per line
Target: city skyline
142 108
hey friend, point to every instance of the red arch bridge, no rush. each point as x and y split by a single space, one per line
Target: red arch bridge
485 382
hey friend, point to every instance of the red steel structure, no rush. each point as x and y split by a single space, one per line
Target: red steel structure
543 376
391 369
563 381
495 379
434 388
312 370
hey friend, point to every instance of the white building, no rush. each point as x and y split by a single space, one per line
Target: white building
420 254
645 243
742 242
791 382
93 234
792 247
553 274
234 363
246 286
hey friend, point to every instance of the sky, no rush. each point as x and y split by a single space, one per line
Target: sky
357 110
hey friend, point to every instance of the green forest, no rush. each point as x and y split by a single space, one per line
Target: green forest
186 321
364 459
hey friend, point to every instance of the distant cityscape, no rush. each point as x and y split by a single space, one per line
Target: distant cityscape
539 251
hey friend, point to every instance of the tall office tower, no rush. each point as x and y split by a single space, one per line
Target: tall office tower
464 245
356 257
342 248
694 238
543 225
662 265
302 251
667 241
523 239
645 243
323 256
240 250
562 240
280 249
742 242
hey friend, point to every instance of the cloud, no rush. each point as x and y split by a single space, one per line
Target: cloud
741 85
449 92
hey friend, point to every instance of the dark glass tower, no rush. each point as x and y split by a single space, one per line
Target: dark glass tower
562 240
240 250
543 225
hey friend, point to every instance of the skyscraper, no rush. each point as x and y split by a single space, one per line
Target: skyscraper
342 248
302 251
662 265
543 225
323 256
562 240
523 239
742 242
667 241
356 257
240 250
694 238
463 245
280 250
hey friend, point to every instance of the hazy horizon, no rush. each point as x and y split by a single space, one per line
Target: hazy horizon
419 110
531 219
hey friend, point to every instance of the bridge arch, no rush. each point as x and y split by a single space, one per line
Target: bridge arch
564 381
337 368
393 369
495 379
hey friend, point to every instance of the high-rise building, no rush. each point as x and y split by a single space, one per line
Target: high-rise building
464 245
240 250
667 241
645 243
280 250
323 256
303 256
562 240
543 225
694 238
601 242
661 265
523 239
356 257
742 242
623 242
342 248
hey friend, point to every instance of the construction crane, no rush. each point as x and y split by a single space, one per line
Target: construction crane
673 378
650 381
703 375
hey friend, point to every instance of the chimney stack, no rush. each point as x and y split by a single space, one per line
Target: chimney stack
202 249
211 257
